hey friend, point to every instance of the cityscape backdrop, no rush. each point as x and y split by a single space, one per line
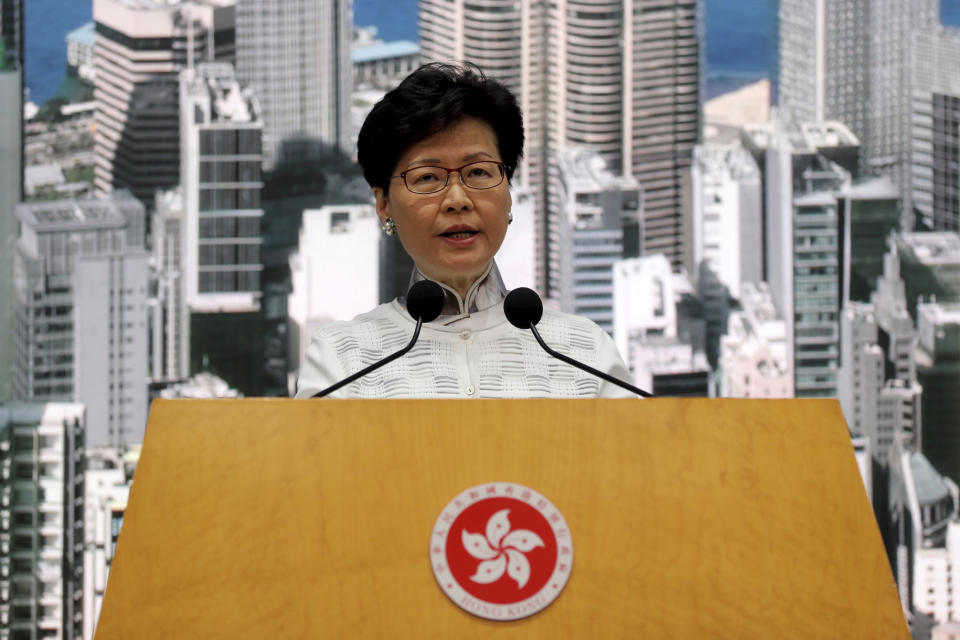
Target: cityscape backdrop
755 198
737 44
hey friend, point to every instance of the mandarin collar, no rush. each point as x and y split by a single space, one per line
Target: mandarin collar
487 291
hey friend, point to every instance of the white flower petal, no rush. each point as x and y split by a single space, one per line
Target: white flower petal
523 540
518 567
476 545
497 527
490 570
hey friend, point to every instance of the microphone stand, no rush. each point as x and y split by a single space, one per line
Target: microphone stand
587 368
375 365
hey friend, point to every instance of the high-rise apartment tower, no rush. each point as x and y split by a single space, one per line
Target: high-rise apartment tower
620 78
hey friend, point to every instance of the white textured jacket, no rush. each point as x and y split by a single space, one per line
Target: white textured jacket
470 351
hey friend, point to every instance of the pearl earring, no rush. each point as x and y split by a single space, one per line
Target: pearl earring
509 217
389 226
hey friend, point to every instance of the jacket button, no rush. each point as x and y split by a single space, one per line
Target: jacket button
469 390
465 334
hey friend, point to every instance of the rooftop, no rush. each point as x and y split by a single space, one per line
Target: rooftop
934 247
807 138
881 188
171 4
728 159
585 170
940 313
215 84
54 215
928 481
384 51
202 385
831 133
85 34
41 175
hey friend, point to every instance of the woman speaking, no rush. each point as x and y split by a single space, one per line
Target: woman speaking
439 152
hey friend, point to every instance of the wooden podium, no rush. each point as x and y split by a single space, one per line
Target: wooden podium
311 519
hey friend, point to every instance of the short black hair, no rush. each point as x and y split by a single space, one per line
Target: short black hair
429 100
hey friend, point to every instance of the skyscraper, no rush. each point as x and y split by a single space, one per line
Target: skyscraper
11 174
296 56
83 272
726 230
938 369
851 61
140 49
11 32
619 77
588 233
221 180
805 175
935 118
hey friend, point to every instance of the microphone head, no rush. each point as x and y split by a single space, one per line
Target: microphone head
523 307
425 300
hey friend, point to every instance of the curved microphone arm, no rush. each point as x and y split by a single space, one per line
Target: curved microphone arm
587 368
374 366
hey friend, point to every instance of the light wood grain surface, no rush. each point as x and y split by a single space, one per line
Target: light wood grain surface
311 519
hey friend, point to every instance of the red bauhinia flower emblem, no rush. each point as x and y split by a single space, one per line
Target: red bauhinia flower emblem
501 550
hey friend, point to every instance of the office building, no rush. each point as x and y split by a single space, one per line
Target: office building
11 181
924 506
169 313
726 224
851 61
896 330
807 167
334 239
587 223
929 264
644 301
620 78
81 312
887 411
754 353
937 359
725 231
871 212
12 32
41 520
658 327
667 367
934 119
221 180
140 49
295 54
824 49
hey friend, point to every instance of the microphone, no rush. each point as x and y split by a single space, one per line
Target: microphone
524 309
425 301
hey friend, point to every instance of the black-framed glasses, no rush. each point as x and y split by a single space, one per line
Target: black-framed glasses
485 174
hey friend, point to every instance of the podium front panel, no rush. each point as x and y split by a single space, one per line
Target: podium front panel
267 518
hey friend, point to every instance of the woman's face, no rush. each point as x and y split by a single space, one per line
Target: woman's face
453 234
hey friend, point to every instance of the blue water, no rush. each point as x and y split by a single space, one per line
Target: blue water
737 52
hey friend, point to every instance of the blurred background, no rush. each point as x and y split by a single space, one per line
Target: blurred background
755 199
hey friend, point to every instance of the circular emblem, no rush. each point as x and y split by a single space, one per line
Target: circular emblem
501 551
